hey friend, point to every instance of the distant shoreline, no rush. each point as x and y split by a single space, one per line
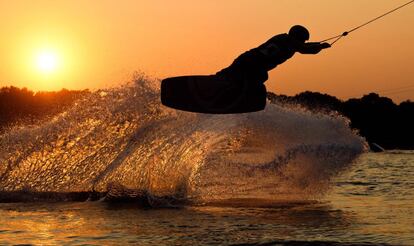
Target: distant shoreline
376 118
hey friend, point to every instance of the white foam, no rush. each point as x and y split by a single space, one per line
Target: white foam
126 136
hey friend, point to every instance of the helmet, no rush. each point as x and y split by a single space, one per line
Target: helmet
299 33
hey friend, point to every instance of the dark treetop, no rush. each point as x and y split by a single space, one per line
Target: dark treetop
377 118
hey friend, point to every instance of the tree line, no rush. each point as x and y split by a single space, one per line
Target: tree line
23 106
377 118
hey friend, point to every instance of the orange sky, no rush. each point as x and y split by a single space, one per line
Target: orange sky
101 42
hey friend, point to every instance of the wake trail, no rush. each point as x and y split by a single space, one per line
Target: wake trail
124 137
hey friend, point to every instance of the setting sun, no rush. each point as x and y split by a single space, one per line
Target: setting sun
46 62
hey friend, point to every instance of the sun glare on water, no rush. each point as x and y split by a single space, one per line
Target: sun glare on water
47 62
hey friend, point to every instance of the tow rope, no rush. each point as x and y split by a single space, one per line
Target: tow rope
338 37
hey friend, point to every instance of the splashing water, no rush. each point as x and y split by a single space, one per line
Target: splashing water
125 138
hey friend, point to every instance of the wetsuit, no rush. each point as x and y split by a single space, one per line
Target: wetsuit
253 65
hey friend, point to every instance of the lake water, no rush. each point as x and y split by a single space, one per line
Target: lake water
372 202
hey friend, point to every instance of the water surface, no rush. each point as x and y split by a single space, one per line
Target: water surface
373 202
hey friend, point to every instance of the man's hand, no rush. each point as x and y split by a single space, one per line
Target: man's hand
325 45
313 48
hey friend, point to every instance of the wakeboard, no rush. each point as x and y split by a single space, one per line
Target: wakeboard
212 94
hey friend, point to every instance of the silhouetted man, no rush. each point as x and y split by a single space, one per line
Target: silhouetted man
238 88
253 65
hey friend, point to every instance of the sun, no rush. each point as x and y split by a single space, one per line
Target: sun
46 62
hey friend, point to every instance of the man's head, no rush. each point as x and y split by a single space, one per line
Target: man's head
299 33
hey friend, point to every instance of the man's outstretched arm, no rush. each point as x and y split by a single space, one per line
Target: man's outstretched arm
312 47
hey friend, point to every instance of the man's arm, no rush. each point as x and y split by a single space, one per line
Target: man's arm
312 48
